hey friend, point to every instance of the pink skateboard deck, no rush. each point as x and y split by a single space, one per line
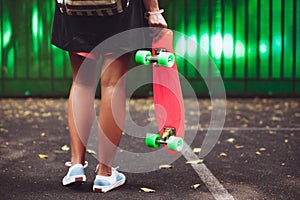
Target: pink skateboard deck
167 93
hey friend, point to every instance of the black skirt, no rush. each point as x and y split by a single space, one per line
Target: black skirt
84 33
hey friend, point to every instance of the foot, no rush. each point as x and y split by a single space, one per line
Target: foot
75 174
107 183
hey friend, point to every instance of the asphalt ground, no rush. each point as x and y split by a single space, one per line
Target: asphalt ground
256 156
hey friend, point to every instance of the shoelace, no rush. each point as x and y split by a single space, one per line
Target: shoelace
69 164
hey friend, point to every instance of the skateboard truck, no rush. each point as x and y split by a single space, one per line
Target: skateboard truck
168 138
161 57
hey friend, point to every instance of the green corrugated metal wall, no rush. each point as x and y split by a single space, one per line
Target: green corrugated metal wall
252 42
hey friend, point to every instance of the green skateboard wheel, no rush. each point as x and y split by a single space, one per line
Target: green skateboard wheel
152 140
166 59
143 57
175 143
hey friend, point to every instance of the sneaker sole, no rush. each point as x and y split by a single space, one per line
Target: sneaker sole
74 179
100 189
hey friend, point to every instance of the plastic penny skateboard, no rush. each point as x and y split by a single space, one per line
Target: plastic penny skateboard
167 94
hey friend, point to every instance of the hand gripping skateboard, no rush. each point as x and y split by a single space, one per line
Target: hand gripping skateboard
167 94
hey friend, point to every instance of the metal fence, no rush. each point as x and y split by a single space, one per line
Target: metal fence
253 43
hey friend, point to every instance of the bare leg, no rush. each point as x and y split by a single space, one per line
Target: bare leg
81 106
111 124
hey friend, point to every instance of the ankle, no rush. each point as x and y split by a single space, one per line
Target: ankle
104 173
103 170
78 161
72 163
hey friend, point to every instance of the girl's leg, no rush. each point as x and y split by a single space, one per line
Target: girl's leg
81 105
113 89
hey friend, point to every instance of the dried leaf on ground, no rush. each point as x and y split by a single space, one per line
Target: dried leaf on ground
196 150
238 146
60 118
65 148
272 132
58 151
147 190
274 118
223 154
165 166
230 140
194 161
48 114
195 186
43 156
3 130
90 151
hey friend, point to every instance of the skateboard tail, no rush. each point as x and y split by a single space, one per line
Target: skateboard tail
168 100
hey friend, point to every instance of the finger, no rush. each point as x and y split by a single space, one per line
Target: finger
157 21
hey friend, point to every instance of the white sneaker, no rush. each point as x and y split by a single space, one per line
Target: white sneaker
107 183
75 174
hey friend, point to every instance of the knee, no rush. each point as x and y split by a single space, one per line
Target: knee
114 72
109 82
